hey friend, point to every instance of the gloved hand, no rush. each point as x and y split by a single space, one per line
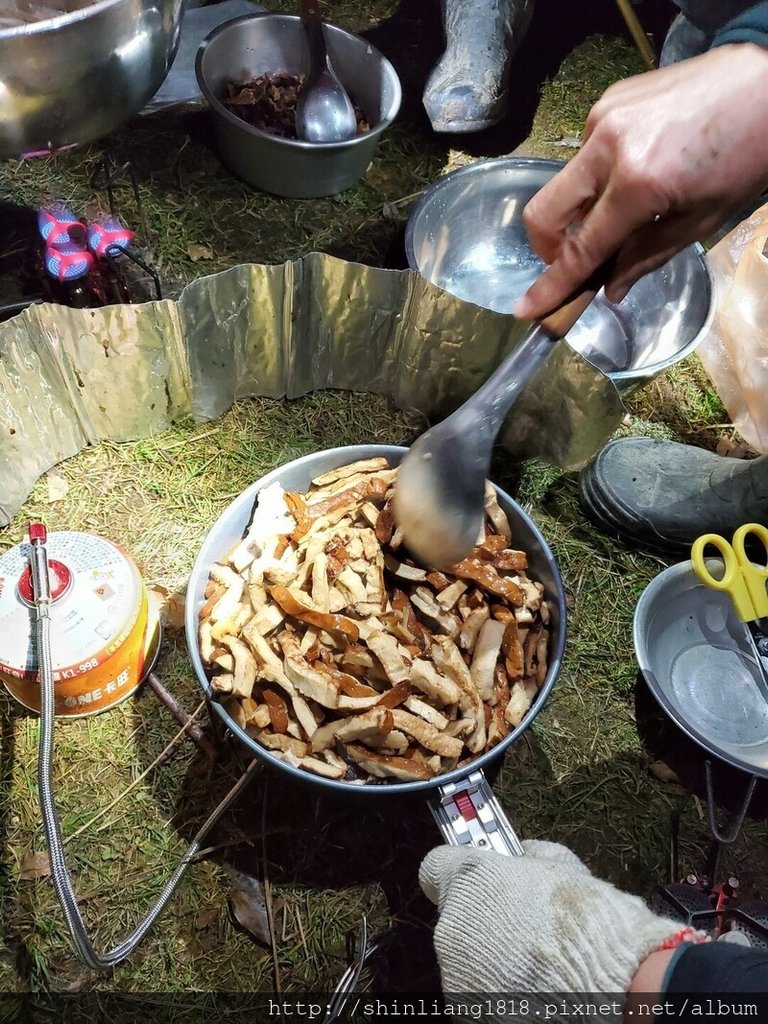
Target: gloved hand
541 923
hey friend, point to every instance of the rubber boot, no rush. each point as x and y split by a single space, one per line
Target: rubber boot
467 89
662 495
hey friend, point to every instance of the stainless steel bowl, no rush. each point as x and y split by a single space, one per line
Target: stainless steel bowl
466 235
297 475
261 44
76 77
694 654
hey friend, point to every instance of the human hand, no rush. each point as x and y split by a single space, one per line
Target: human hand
667 157
540 923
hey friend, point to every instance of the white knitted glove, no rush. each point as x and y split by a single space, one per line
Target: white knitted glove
541 923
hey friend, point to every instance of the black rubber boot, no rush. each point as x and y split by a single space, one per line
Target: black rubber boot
467 89
662 495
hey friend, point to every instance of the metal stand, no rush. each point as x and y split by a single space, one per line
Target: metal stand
103 179
738 818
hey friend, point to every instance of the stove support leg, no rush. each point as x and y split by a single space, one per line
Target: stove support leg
739 816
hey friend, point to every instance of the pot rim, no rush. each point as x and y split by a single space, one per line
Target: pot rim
478 167
221 110
202 567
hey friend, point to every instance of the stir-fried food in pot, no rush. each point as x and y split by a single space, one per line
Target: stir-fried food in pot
332 647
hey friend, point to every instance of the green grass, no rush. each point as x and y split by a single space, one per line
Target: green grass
581 774
567 98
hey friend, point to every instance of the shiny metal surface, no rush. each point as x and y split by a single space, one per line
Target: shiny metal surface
72 377
297 475
466 235
267 43
696 658
441 485
76 77
324 111
439 500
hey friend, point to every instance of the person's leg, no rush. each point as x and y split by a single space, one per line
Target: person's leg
683 40
663 495
694 28
467 88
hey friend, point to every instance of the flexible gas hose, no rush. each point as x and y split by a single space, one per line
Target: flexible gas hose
60 874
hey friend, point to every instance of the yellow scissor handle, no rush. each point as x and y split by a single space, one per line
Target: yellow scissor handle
755 576
732 579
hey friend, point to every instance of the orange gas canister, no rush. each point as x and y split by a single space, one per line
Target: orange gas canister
104 625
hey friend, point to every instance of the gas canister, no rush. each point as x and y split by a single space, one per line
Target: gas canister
104 625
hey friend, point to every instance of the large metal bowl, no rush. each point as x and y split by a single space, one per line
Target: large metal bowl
297 475
259 44
695 656
76 77
466 235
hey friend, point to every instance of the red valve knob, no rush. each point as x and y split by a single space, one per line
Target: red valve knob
37 531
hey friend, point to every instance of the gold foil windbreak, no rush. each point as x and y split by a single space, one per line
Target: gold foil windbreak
72 377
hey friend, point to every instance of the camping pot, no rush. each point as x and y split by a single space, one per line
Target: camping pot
694 653
104 626
77 76
462 801
259 44
466 235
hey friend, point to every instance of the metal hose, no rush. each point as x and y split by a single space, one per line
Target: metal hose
61 879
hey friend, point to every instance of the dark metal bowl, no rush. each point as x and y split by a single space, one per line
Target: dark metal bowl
297 476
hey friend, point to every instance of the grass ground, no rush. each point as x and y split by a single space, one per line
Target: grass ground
581 775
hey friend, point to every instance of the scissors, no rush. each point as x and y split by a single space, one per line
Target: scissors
744 582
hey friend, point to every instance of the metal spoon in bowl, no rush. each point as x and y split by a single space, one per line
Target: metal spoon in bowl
324 111
439 496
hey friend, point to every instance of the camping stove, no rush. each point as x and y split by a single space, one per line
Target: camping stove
111 274
717 909
699 901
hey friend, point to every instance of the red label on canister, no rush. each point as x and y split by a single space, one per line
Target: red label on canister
103 624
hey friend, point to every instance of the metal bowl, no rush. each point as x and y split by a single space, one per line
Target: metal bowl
695 657
466 235
76 77
297 475
259 44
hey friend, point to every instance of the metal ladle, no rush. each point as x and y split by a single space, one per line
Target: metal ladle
324 111
439 498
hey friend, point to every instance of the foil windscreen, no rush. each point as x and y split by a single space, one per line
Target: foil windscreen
74 377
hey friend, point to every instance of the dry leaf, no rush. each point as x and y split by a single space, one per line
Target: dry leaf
170 606
57 485
199 252
733 449
248 906
36 864
662 771
206 918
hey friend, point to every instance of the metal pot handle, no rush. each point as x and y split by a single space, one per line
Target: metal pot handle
468 814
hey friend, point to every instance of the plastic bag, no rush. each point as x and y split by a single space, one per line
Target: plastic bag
735 350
